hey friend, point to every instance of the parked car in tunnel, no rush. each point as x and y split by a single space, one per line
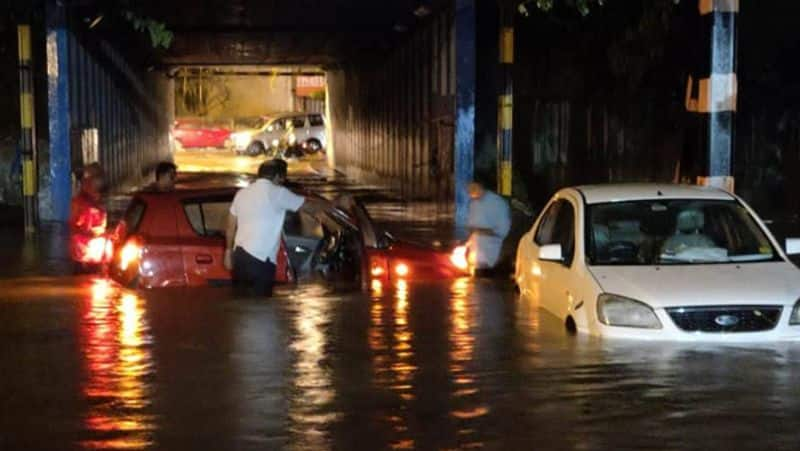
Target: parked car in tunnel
177 239
275 133
660 262
197 133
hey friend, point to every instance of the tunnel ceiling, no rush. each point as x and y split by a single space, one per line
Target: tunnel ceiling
318 32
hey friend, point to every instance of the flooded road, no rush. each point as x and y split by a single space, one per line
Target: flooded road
461 364
458 365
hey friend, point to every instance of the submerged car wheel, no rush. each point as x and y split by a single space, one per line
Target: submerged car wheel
570 325
255 148
313 146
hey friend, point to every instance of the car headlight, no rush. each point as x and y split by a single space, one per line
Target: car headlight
613 310
275 142
292 139
241 139
794 320
460 258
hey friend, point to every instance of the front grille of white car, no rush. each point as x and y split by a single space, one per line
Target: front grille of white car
726 318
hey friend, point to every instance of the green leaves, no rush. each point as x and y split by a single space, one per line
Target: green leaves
582 6
160 36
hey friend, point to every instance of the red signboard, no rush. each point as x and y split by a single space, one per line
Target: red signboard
306 86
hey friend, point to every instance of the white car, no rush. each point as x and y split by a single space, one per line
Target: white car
660 262
267 134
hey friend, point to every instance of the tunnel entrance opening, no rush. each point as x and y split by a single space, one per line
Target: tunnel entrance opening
229 118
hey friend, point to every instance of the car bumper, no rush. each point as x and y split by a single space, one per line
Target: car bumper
671 332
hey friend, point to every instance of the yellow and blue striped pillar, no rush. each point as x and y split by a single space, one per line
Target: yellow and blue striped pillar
27 129
505 101
464 139
715 95
58 104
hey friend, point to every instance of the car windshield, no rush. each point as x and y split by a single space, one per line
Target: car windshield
277 125
250 122
661 232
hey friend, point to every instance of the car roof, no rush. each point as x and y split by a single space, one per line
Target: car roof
598 194
179 194
290 114
184 192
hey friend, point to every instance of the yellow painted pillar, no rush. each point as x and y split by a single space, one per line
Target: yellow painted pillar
505 103
27 129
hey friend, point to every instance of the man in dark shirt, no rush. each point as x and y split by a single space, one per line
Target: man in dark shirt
166 174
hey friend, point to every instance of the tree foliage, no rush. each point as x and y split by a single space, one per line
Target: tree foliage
160 36
583 6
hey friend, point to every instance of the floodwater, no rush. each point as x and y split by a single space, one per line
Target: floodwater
454 365
462 364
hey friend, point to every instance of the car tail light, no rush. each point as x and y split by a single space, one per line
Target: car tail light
401 269
378 267
460 258
98 250
131 253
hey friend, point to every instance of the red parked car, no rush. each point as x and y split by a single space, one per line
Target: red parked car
193 133
177 239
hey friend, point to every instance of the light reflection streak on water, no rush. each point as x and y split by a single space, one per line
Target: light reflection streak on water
310 408
403 367
116 347
394 367
466 404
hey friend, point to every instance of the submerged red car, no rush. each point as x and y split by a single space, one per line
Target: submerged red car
195 133
176 239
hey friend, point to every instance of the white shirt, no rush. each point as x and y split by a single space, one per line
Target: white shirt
491 211
260 210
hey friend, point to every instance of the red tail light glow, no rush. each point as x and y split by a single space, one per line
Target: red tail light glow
378 267
460 258
377 271
99 249
401 269
130 253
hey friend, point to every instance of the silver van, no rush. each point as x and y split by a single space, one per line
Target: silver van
274 132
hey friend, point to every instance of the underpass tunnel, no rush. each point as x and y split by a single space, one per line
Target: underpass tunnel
420 96
126 84
232 117
390 80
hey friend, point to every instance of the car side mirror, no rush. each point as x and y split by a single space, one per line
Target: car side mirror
793 246
551 253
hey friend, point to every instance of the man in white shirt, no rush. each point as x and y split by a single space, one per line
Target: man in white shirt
489 222
255 224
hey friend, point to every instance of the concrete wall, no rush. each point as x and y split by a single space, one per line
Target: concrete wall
104 104
393 119
129 106
242 96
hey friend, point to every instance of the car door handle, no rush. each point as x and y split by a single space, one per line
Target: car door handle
203 259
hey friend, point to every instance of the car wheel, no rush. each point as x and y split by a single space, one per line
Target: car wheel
255 148
313 146
570 325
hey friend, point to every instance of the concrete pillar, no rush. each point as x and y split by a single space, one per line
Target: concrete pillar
27 130
505 100
330 148
464 152
58 111
716 95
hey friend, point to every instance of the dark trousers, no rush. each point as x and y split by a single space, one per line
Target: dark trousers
251 275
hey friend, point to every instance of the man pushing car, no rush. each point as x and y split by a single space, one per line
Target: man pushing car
254 226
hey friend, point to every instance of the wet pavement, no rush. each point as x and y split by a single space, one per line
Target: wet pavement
462 364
